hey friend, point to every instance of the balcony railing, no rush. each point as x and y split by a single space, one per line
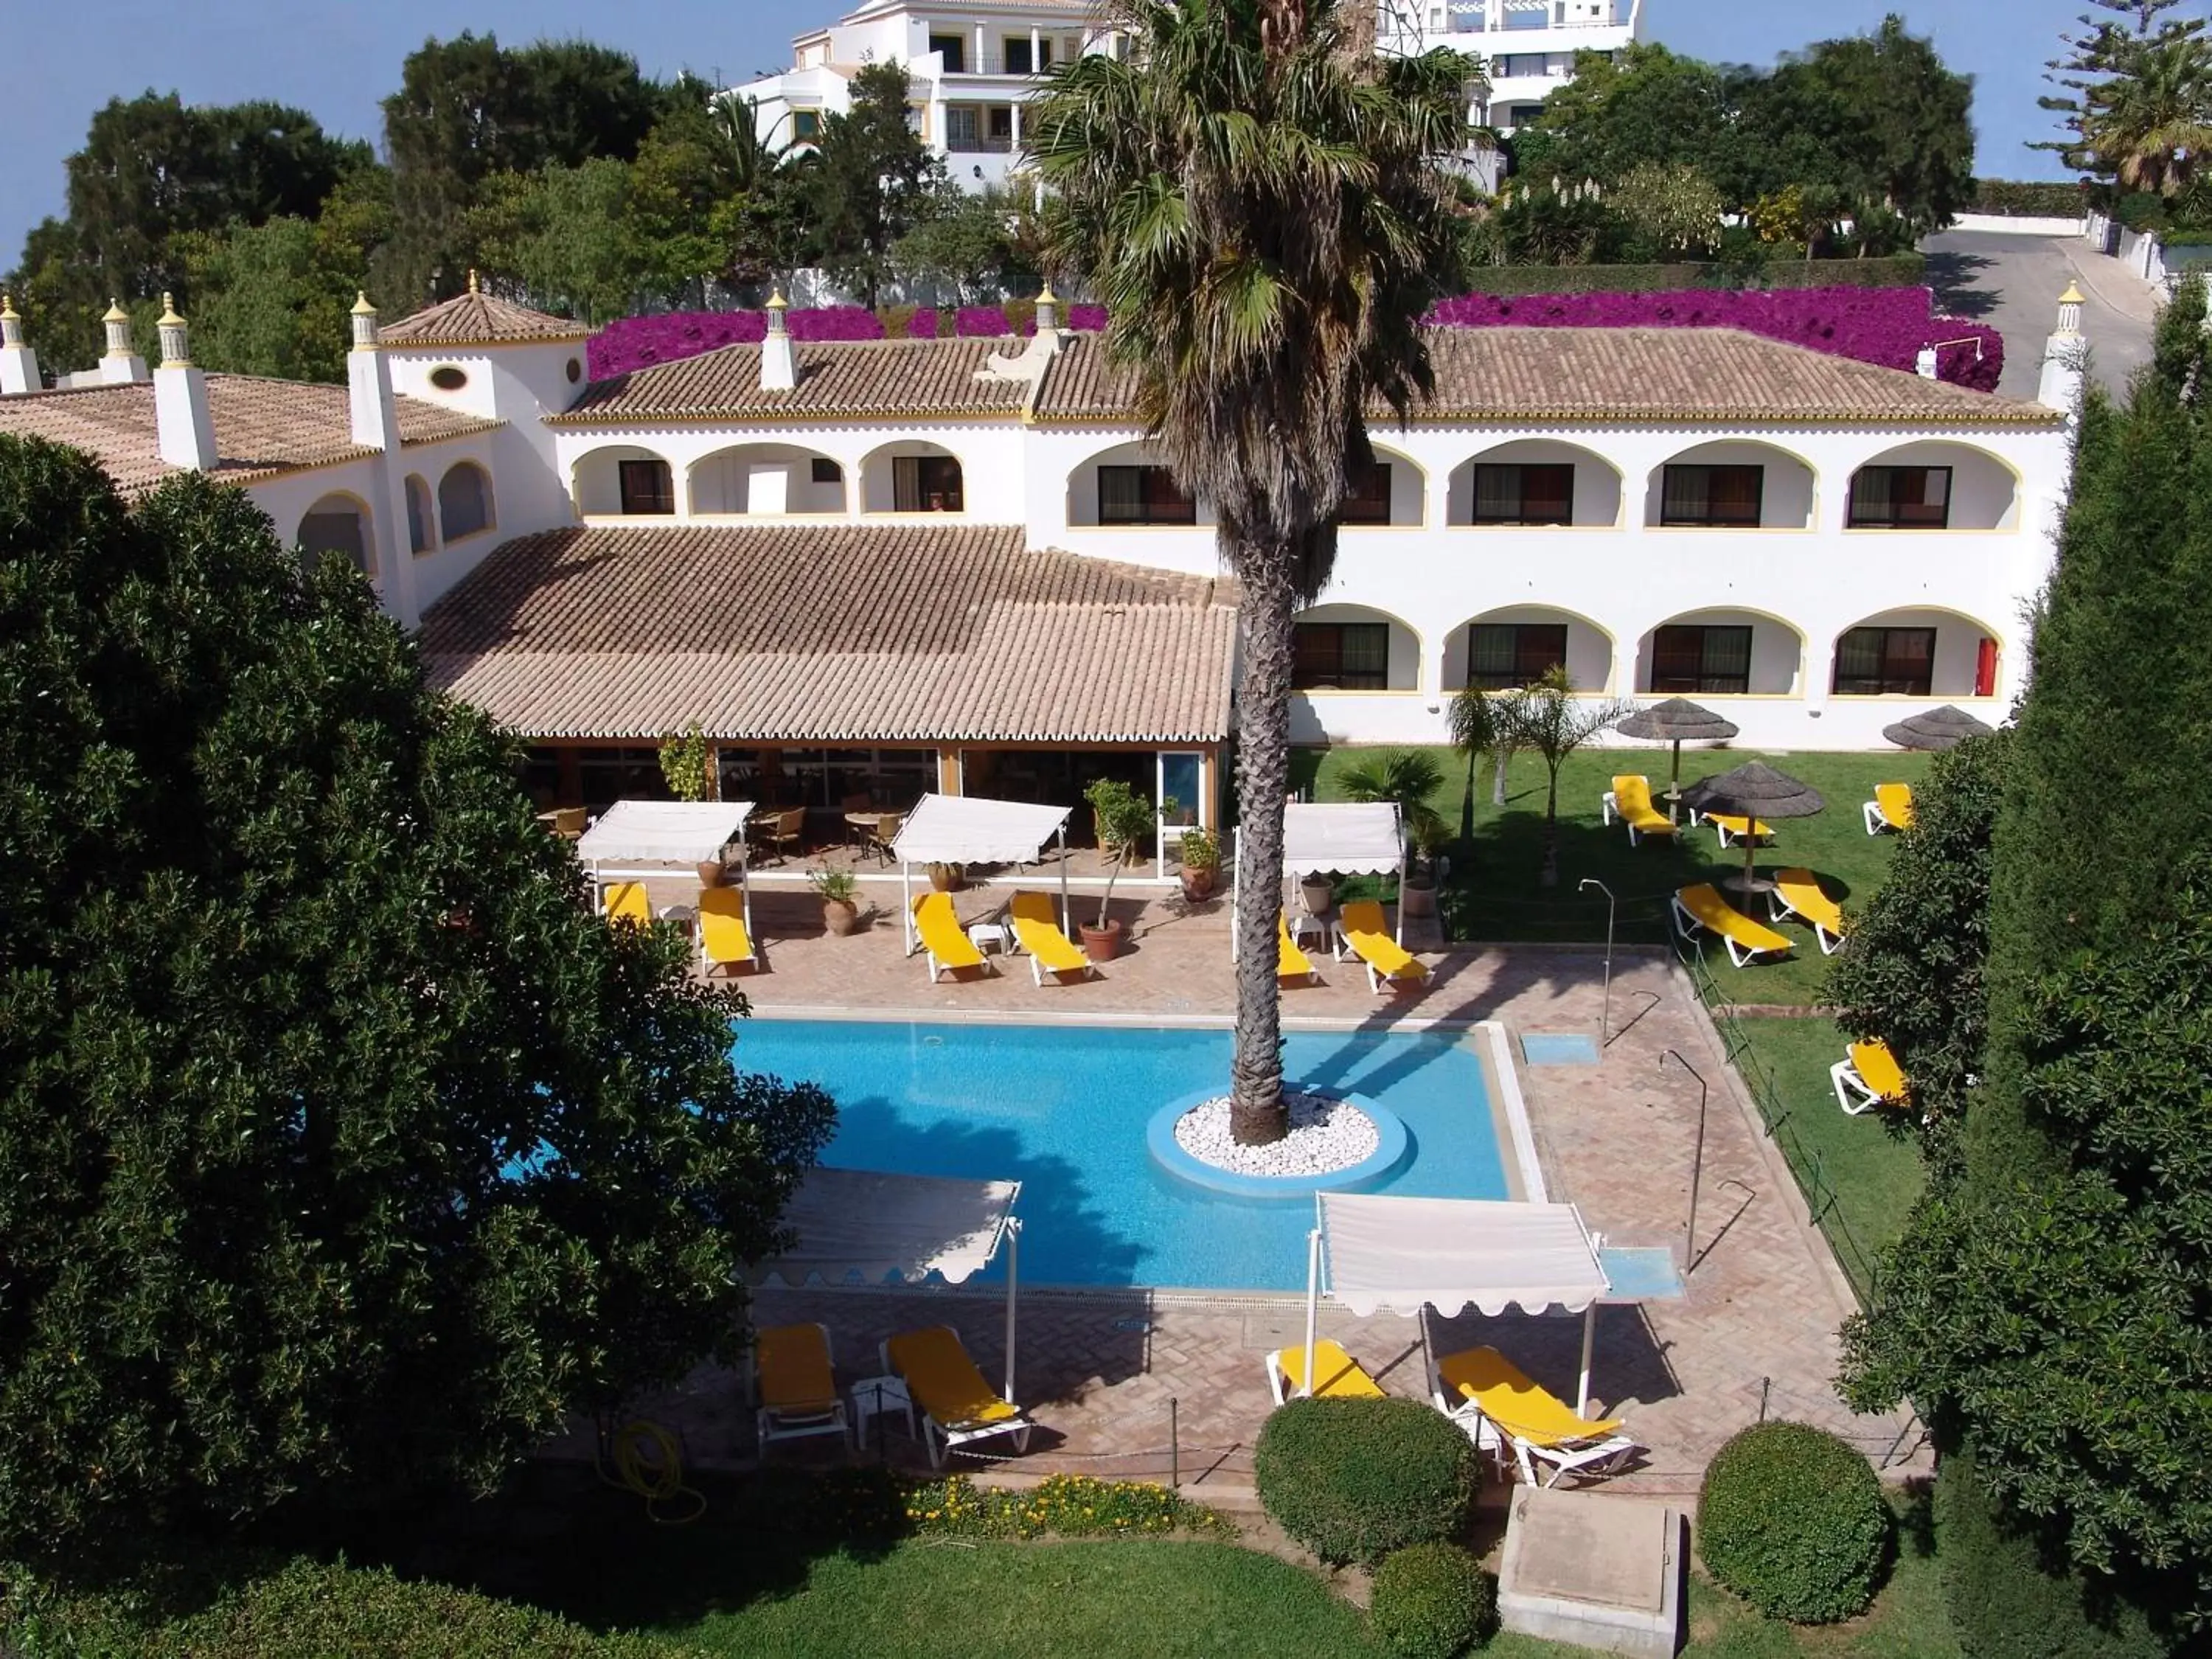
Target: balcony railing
979 144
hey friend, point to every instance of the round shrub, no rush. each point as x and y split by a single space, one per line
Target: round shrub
1353 1479
1793 1520
1432 1602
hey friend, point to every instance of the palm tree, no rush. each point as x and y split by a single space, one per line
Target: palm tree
2148 124
1474 734
1266 214
1549 717
1405 778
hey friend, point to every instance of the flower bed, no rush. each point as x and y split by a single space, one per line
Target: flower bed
1883 326
878 1502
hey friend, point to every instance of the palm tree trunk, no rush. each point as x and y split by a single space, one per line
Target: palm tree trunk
1256 1113
1550 877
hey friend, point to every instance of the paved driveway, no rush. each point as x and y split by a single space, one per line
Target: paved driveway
2012 283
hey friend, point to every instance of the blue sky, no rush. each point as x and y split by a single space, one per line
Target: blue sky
65 59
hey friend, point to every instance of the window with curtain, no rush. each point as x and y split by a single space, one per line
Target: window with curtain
926 483
961 132
647 487
1900 498
1142 495
1505 656
1342 657
1518 494
1712 660
464 500
1874 662
1370 500
1717 497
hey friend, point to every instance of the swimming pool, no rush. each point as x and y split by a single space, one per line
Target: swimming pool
1062 1108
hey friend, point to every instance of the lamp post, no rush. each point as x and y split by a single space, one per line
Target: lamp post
1605 1008
1697 1162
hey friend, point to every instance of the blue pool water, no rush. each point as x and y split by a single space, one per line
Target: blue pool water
1062 1109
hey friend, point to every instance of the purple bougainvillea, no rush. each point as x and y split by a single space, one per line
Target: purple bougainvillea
1884 325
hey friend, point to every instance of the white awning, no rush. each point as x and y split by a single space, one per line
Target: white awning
1358 839
867 1226
664 832
964 829
1405 1254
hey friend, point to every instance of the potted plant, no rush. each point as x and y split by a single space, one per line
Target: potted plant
948 878
1316 892
1417 888
1124 819
687 762
839 889
1201 863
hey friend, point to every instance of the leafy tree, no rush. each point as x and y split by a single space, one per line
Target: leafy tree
1644 105
871 182
968 245
2107 52
1266 213
1676 209
342 1148
2048 1306
1553 719
1913 974
2147 126
564 233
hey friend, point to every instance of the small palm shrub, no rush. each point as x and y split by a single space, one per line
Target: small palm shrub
1792 1520
1354 1480
1432 1602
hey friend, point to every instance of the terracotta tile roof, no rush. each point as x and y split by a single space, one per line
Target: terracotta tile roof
832 633
262 428
1574 374
474 318
836 379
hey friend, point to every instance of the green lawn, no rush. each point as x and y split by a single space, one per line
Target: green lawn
1500 897
1875 1175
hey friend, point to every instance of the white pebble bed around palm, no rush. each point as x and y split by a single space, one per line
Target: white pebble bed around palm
1325 1136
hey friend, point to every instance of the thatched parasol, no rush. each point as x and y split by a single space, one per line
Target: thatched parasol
1677 720
1938 729
1754 791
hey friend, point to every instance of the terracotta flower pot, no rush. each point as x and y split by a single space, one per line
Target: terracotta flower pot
1417 898
711 873
947 877
841 916
1199 884
1101 943
1318 896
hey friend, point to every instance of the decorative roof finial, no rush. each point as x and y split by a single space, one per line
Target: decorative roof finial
2070 312
176 343
168 319
473 288
8 312
116 313
360 305
776 302
1045 296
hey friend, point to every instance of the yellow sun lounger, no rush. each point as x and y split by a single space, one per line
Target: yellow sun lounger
1037 931
1630 800
1868 1076
723 941
1733 827
1890 809
946 946
1482 1388
626 901
794 1387
1342 1376
1701 907
1361 930
956 1405
1292 963
1799 893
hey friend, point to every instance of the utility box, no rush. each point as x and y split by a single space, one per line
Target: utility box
1608 1573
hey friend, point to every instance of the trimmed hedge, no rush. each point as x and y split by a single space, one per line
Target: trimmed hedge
2026 199
2010 1593
1432 1602
1792 1520
307 1607
1896 270
1354 1480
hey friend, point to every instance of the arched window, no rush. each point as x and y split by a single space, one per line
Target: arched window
464 500
421 527
337 523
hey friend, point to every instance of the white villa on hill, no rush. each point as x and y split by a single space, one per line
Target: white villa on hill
974 63
881 567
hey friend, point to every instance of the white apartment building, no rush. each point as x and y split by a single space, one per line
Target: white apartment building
886 566
975 65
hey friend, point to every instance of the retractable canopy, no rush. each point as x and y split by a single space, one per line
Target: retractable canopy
964 829
1405 1254
1357 838
868 1224
663 831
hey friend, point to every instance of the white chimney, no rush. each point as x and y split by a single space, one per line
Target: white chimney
2060 384
369 381
184 427
779 363
1048 320
119 365
19 364
1923 363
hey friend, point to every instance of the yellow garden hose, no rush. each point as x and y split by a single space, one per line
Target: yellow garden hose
646 1461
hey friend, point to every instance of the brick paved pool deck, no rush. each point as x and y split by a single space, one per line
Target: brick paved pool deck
1754 1332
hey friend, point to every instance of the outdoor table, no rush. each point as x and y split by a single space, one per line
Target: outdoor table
859 826
879 1396
981 933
